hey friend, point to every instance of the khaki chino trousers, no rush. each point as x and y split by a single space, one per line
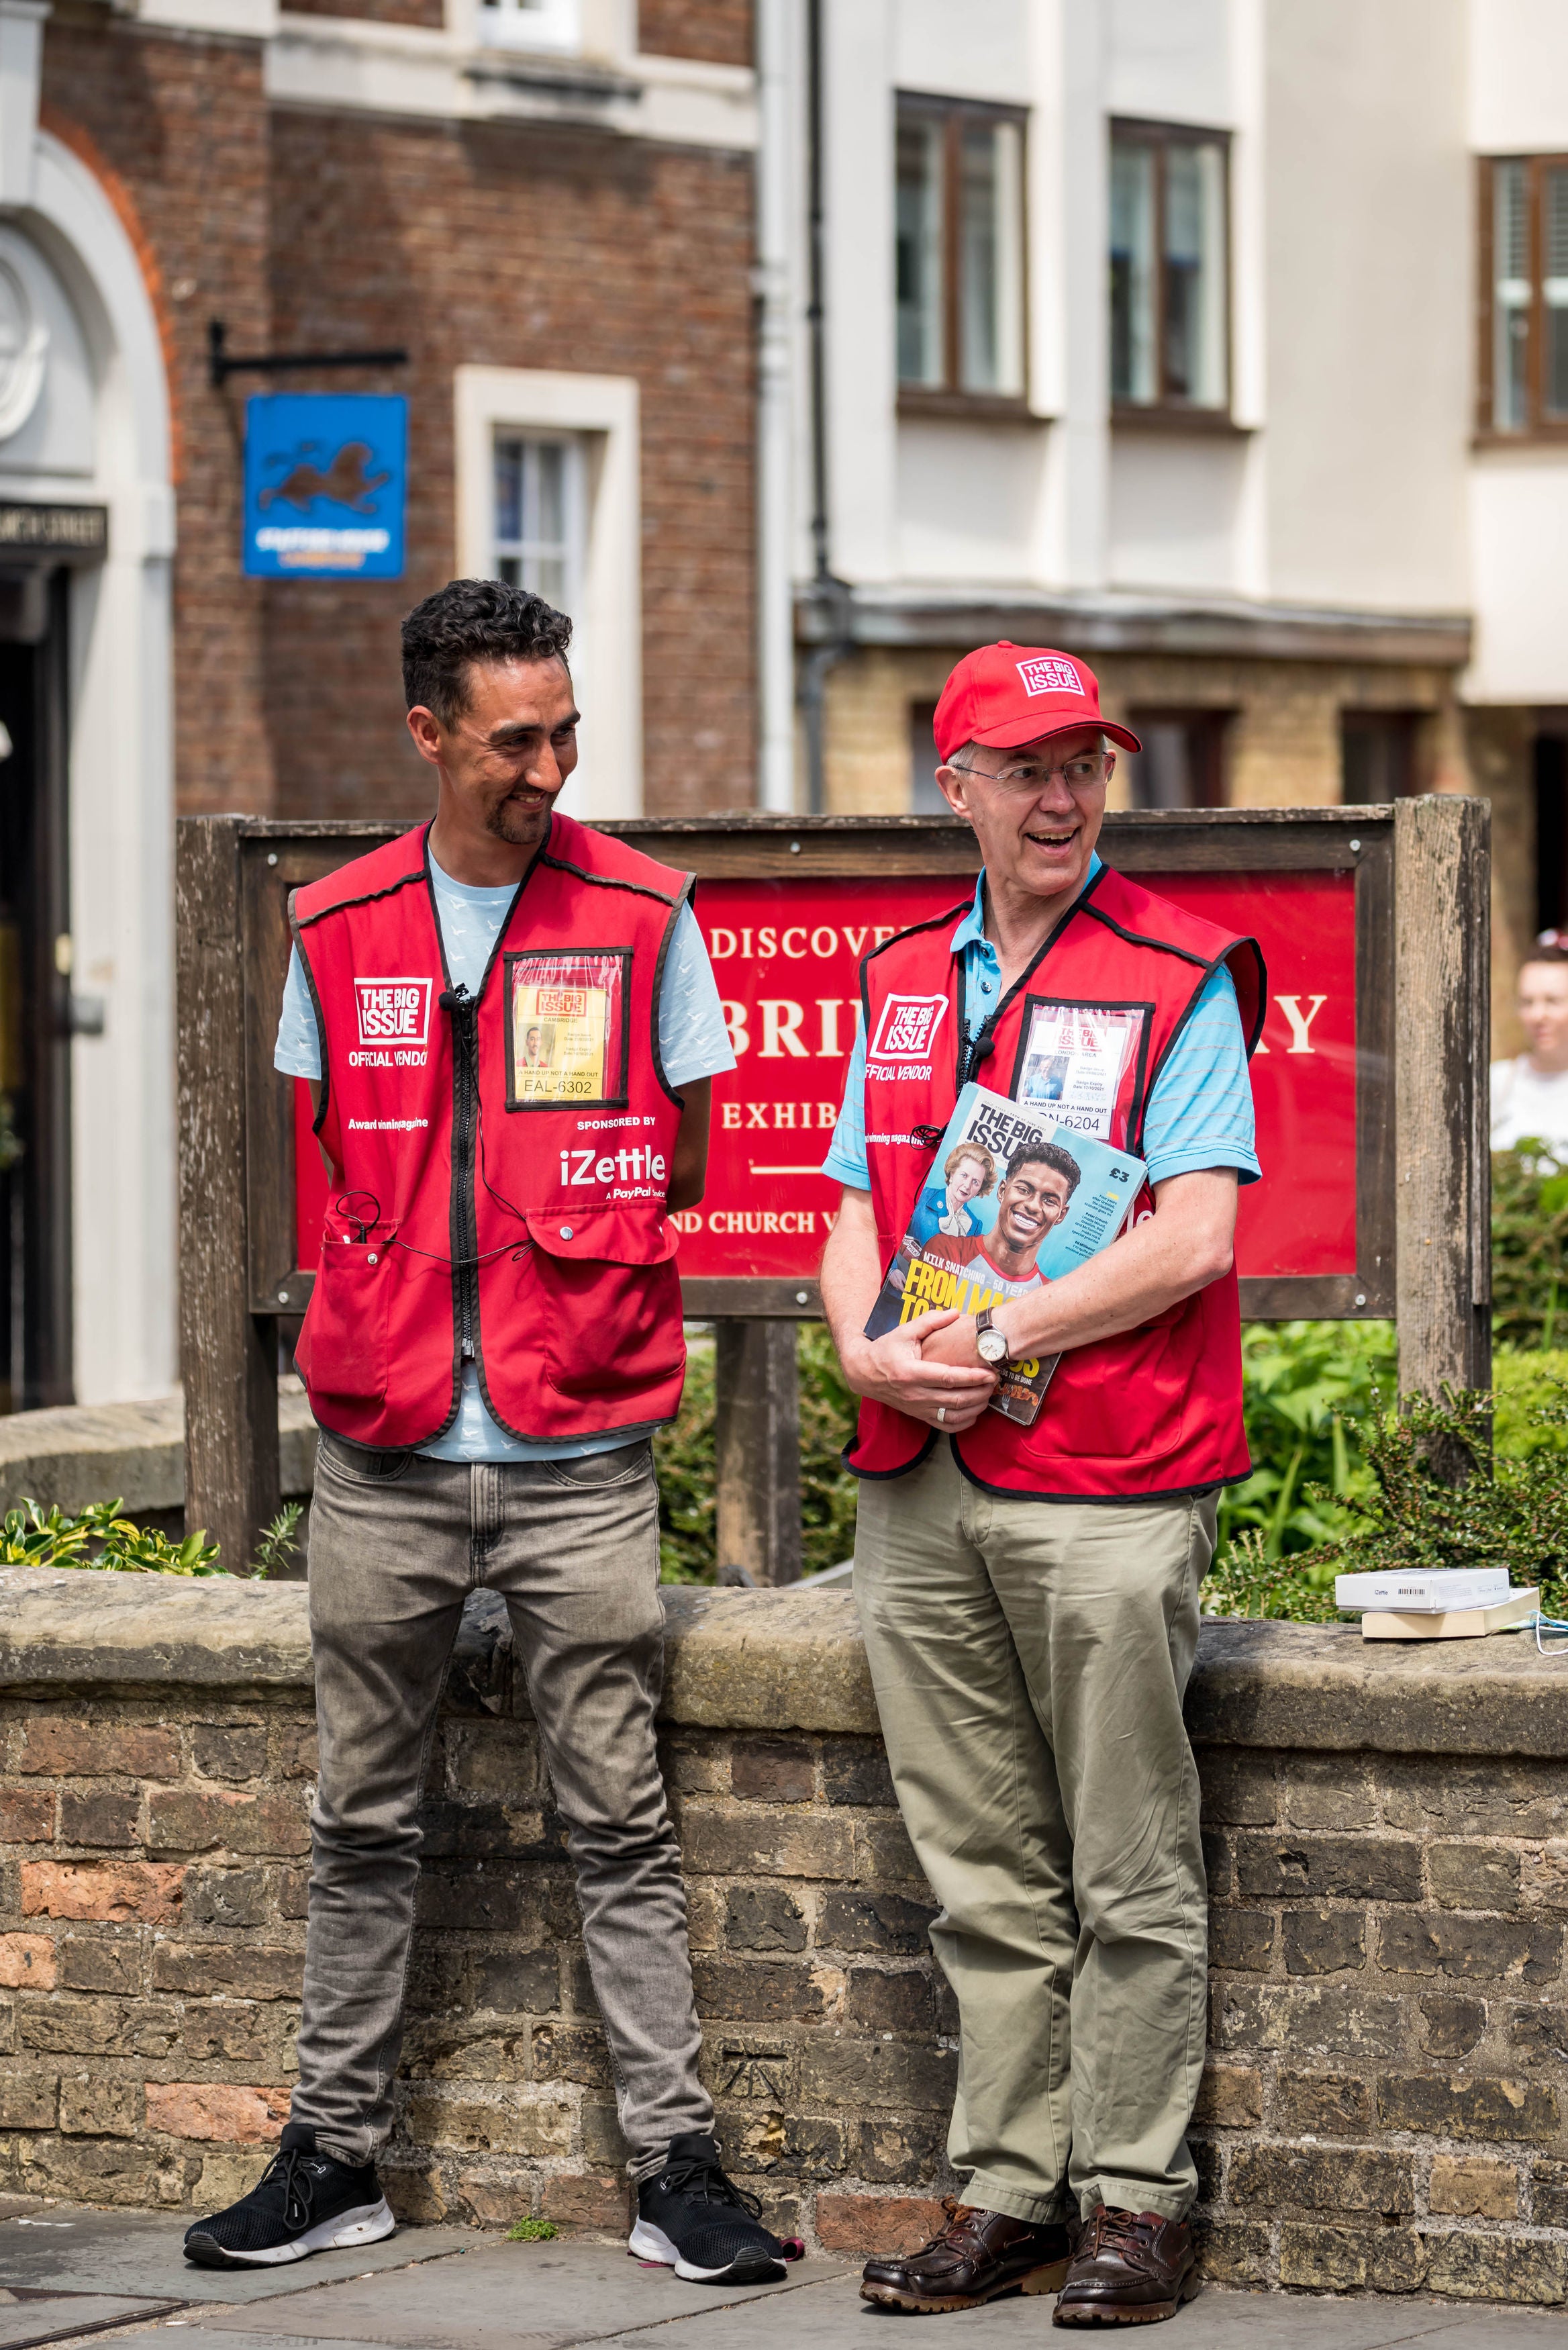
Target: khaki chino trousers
1029 1660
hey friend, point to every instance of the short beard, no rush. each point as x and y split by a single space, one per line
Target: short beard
528 827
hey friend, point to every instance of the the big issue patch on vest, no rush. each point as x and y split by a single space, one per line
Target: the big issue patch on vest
786 955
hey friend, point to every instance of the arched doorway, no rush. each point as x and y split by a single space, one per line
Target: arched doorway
86 1141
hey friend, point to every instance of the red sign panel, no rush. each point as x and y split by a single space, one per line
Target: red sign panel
786 957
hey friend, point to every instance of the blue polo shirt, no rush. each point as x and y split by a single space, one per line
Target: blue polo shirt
1201 1111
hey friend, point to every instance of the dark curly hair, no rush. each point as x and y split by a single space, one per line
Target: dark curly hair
1047 1154
474 621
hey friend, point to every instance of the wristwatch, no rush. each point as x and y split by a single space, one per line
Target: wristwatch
989 1343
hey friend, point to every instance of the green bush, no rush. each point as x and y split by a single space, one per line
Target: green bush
1529 1249
99 1537
1476 1479
1305 1385
684 1454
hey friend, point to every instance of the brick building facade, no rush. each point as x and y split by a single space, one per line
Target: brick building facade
529 244
548 206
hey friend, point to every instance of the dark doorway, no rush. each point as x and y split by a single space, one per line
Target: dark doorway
1550 787
35 997
1182 763
1377 755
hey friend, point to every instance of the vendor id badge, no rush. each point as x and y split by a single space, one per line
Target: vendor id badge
566 1031
1073 1059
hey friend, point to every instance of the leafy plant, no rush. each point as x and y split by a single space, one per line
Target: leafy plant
1475 1479
1246 1579
33 1536
684 1455
1305 1385
1507 1508
1528 1248
827 1491
276 1544
531 2231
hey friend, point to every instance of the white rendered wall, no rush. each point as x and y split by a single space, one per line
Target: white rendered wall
969 500
1369 271
1519 497
1170 61
1519 528
1176 513
1518 76
980 50
858 70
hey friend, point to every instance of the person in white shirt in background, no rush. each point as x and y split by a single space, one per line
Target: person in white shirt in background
1530 1095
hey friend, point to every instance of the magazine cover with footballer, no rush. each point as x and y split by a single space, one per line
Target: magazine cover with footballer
1011 1202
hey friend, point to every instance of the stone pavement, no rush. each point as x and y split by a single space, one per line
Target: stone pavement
71 2275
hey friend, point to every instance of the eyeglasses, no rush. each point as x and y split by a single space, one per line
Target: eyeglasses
1079 775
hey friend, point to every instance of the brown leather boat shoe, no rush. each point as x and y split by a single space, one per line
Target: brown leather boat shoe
1129 2268
978 2256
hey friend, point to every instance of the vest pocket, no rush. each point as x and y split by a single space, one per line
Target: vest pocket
611 1300
1124 1399
342 1348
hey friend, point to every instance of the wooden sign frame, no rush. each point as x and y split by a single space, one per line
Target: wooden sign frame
1421 873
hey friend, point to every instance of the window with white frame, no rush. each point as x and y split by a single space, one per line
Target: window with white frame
958 252
540 515
531 23
547 478
1523 368
1169 273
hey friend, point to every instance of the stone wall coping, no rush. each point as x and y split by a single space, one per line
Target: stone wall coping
75 1453
793 1660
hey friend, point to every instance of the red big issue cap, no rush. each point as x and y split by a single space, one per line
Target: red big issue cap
1004 695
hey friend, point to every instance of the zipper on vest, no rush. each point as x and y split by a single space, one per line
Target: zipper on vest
466 1040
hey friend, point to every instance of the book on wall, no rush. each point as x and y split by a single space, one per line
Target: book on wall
1451 1623
1011 1202
1422 1590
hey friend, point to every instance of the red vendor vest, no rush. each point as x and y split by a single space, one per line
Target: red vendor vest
501 1160
1152 1413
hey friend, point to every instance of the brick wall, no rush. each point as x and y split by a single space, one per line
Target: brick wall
1384 2108
492 243
509 246
429 13
717 31
1385 2101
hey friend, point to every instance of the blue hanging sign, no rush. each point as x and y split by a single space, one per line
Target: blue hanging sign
325 477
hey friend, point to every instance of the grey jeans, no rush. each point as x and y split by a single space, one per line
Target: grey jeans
396 1543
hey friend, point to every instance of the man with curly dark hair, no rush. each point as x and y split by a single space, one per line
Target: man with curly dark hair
509 1026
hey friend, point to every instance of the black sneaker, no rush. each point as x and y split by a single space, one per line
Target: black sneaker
302 2202
693 2220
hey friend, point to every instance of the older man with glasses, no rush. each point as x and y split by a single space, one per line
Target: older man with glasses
1029 1595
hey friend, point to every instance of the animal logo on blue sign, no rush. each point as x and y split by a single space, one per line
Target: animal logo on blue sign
325 477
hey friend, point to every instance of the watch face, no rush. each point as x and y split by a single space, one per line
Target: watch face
991 1346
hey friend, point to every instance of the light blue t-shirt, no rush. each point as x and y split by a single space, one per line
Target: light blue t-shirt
693 1043
1201 1111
